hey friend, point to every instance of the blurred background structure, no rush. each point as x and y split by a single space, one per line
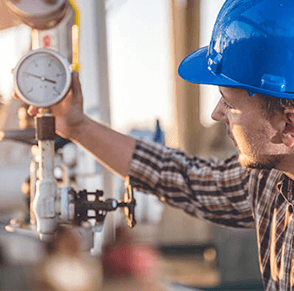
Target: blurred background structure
129 54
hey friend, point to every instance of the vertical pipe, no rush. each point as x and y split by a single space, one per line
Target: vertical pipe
194 128
46 188
186 34
179 33
46 163
175 132
100 43
33 181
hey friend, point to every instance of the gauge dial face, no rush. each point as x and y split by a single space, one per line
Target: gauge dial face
42 78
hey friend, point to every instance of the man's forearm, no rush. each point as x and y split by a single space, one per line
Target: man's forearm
112 149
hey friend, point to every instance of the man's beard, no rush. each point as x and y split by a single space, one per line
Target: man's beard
266 162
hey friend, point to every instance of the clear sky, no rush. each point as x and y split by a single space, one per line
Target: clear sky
140 64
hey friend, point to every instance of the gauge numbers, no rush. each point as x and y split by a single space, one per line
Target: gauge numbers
42 78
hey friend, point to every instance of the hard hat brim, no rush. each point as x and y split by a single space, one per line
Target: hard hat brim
194 69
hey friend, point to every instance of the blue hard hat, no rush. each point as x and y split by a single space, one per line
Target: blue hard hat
252 48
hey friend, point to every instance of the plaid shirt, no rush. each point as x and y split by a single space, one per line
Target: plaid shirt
227 194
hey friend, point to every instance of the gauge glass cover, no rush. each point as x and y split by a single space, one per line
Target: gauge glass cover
42 78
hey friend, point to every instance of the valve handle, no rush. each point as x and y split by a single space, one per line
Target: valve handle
102 207
130 203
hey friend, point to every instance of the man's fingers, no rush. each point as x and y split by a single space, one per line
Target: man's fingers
76 85
32 110
14 95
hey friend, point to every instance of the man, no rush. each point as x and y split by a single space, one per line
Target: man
250 58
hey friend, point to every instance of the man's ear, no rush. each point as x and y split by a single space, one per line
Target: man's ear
288 128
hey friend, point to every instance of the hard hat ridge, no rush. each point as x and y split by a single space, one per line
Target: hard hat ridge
252 48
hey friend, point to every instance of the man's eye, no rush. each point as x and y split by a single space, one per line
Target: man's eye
227 105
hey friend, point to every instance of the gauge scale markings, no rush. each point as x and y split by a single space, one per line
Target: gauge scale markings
43 77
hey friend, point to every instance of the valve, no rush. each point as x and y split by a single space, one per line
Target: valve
83 204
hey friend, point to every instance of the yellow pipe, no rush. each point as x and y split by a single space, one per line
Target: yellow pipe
75 37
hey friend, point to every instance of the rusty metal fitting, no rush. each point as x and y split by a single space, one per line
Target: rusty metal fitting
45 127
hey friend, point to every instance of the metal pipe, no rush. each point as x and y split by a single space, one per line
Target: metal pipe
33 181
46 188
104 104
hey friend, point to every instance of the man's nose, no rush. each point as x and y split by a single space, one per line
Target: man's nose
219 112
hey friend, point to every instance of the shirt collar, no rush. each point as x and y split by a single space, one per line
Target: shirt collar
285 187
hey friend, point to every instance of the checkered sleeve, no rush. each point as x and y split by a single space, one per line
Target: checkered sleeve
212 190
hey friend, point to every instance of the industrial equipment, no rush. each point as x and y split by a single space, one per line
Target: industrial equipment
42 78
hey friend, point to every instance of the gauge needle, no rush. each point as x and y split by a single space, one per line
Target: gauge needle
41 77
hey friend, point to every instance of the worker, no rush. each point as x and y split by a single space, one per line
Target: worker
250 58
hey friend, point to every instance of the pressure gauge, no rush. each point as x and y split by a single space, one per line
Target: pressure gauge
42 77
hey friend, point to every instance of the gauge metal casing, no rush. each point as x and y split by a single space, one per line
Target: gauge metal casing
42 77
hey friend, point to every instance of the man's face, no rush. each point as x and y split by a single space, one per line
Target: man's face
253 134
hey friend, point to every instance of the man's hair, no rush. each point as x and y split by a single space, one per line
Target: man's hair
273 104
